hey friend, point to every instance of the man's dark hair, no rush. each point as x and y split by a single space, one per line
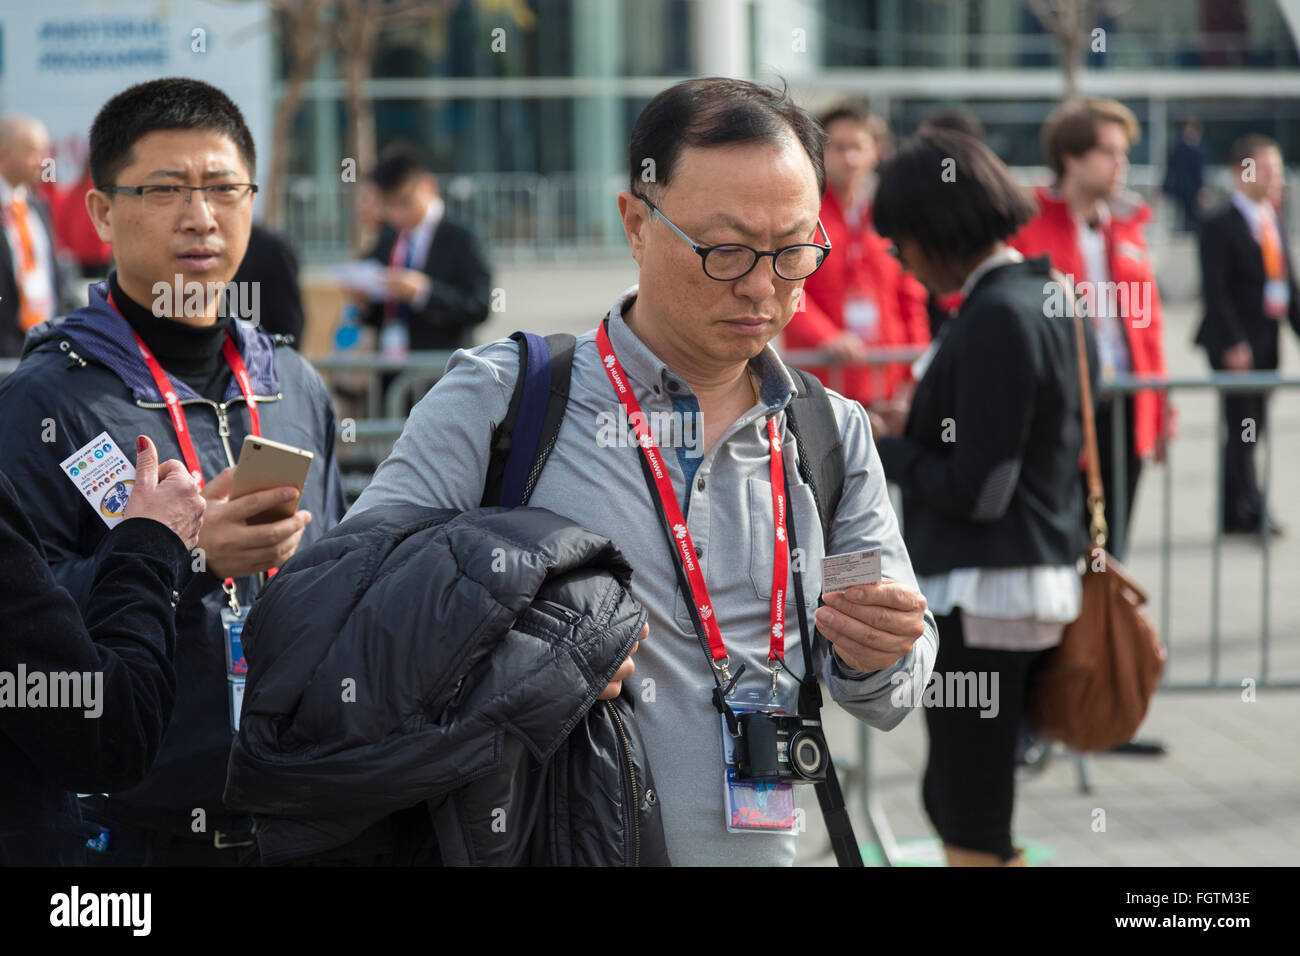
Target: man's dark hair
948 192
853 112
171 103
956 118
397 165
715 111
1249 147
1072 128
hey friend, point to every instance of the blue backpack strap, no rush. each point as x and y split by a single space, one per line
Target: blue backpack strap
524 439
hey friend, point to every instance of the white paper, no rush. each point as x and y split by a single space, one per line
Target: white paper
363 275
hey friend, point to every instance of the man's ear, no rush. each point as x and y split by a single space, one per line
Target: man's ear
635 220
100 209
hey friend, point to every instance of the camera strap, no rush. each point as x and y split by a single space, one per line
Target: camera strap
829 795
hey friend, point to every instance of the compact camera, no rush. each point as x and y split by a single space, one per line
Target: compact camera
780 747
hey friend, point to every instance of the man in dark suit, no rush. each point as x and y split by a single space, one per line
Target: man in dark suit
30 281
1249 288
438 281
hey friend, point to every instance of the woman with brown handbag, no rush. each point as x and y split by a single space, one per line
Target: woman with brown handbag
988 463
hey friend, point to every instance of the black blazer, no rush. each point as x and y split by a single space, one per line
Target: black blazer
462 288
270 260
989 461
11 336
126 636
1232 286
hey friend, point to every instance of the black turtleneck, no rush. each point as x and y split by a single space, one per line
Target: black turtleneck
190 352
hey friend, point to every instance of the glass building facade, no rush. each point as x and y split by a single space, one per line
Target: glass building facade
531 138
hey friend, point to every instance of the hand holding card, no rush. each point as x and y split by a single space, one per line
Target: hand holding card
871 625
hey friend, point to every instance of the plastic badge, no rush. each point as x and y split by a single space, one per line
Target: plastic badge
755 806
232 625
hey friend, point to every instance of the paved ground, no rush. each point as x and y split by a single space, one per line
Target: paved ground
1228 793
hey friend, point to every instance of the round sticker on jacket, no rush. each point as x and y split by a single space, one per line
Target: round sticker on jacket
113 504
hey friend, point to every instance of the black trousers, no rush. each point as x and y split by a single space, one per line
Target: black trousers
969 784
1105 417
1243 504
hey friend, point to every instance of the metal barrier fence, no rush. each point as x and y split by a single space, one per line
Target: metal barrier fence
1221 383
535 217
519 216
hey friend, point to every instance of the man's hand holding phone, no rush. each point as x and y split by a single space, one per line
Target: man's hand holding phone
234 548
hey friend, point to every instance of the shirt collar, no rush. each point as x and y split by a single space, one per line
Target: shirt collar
432 216
1003 257
1252 210
9 193
776 386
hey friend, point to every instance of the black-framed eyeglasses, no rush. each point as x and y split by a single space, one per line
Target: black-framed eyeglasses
170 196
732 260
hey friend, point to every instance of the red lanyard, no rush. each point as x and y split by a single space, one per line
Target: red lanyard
240 372
682 535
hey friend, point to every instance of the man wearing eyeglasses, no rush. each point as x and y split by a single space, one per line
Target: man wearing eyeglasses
721 215
159 351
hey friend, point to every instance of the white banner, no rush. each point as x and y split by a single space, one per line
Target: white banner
63 59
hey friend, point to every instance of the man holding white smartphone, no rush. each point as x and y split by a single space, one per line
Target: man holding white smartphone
161 349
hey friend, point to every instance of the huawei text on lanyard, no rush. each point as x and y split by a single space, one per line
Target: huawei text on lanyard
682 536
179 423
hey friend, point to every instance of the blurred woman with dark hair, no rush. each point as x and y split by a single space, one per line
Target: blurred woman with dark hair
987 458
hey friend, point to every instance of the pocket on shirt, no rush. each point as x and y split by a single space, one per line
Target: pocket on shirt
762 531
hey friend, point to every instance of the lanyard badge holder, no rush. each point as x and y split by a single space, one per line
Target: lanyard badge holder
765 751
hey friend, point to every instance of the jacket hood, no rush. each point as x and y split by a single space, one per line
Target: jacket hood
101 334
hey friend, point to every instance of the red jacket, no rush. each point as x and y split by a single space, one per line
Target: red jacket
860 266
74 233
1053 232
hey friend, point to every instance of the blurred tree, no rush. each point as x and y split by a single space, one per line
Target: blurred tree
1072 24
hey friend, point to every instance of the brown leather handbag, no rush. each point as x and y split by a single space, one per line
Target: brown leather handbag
1093 691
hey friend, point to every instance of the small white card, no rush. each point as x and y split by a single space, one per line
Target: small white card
103 475
843 571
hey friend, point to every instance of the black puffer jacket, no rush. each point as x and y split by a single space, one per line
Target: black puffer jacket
418 660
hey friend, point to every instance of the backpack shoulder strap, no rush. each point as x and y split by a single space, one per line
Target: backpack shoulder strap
821 449
524 439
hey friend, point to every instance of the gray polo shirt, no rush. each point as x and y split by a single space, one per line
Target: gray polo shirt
593 477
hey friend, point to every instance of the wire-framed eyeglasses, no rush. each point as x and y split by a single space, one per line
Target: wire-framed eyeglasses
168 196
